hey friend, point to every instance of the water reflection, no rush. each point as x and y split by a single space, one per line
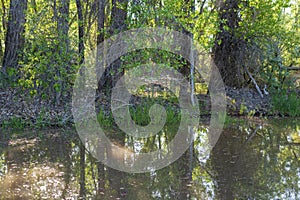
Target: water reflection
250 161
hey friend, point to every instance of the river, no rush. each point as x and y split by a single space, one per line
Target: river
251 160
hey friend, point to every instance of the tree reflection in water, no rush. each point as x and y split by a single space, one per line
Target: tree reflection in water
250 161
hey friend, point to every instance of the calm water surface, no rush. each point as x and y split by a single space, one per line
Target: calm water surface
258 160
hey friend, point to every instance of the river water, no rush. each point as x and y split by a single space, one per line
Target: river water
251 160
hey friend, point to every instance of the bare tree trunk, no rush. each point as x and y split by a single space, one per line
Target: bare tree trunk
14 41
80 32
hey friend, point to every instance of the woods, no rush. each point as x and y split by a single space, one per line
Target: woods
174 136
255 44
14 37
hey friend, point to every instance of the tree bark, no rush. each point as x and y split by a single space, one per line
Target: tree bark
62 15
82 190
227 55
100 20
63 26
14 41
80 32
118 24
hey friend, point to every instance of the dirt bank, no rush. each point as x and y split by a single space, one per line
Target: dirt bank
14 104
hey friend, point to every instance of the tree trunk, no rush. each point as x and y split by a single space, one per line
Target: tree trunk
100 39
227 49
63 26
82 190
62 16
118 24
80 32
1 49
2 29
14 41
100 20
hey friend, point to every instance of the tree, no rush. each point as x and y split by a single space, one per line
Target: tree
80 31
14 41
62 63
228 47
118 24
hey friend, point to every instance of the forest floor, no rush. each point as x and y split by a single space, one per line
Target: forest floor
14 105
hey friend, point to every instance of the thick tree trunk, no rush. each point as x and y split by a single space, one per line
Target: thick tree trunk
227 49
188 69
14 41
118 24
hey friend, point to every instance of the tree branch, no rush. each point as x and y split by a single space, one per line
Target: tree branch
254 82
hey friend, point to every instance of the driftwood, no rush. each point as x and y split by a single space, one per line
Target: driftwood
254 82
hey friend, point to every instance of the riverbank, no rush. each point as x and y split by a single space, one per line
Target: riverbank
18 110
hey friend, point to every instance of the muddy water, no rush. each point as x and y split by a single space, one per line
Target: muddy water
258 160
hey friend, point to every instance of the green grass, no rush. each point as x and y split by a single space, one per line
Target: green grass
42 121
140 115
286 103
233 120
104 120
15 123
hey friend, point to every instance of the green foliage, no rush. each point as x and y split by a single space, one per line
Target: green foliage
243 109
15 123
229 121
140 115
286 103
47 67
104 120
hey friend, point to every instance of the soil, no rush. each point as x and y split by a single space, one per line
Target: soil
14 104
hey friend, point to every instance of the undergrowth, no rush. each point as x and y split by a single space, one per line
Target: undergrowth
286 103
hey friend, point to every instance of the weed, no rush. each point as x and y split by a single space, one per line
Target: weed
15 123
286 103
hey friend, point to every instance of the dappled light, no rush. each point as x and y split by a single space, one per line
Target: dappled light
251 160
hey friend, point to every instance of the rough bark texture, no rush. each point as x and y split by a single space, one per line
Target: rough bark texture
228 48
63 46
80 31
14 42
118 24
63 25
100 19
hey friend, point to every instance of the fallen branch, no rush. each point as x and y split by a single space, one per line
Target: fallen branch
293 68
254 82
